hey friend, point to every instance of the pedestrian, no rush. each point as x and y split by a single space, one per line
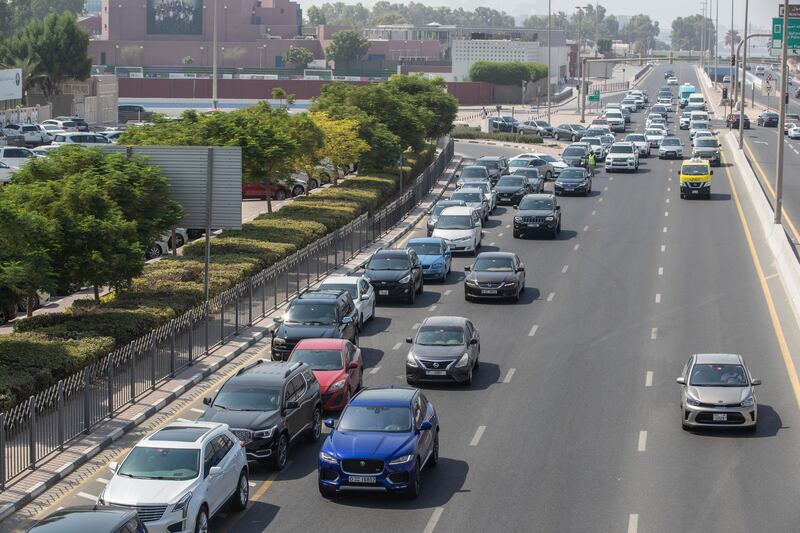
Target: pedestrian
592 163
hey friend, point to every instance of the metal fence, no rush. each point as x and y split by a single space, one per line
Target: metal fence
49 420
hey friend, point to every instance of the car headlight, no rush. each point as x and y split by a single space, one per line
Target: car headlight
264 433
328 458
438 265
339 385
406 279
401 460
278 340
471 282
690 400
550 218
411 360
463 360
518 219
183 504
463 238
749 401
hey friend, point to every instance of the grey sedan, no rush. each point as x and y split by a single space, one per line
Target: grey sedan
446 348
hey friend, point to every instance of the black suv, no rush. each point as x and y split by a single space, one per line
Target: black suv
268 406
537 213
315 314
395 273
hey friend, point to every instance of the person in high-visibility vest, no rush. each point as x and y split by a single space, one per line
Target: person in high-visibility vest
592 163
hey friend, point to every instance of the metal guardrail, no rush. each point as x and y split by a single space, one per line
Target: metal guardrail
48 420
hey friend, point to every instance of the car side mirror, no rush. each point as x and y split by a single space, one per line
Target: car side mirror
409 340
681 380
277 319
207 400
425 426
292 405
515 207
113 465
521 269
755 382
467 268
678 172
329 423
353 365
473 341
215 471
364 297
711 172
558 208
347 319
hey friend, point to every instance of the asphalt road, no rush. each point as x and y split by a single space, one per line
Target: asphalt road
572 423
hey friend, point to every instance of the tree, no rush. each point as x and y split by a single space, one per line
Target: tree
347 46
429 95
641 32
299 57
15 14
507 72
686 33
604 46
21 56
187 60
736 37
59 44
342 145
309 140
316 17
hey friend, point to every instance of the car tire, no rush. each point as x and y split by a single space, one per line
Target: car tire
240 496
517 235
414 488
555 136
685 426
281 453
201 522
574 138
372 314
280 195
421 285
752 429
434 460
153 251
298 190
553 234
313 184
468 382
316 426
411 297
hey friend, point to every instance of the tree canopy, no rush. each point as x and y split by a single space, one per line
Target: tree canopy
507 72
417 13
346 46
299 57
686 33
15 14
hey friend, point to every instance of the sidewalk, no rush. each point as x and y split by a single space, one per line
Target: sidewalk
55 467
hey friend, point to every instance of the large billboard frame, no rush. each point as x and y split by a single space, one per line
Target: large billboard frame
10 84
174 17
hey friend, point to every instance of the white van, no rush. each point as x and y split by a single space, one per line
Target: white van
697 99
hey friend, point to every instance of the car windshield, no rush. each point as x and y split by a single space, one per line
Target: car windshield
454 222
247 397
535 204
468 197
488 164
635 138
319 359
519 163
571 174
472 172
654 132
311 313
694 170
494 264
175 464
671 141
376 418
542 123
699 125
510 181
440 336
388 263
718 375
484 186
525 172
618 149
426 248
438 208
594 141
574 151
350 288
706 143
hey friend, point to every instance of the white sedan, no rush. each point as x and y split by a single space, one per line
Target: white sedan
654 137
5 172
672 80
794 131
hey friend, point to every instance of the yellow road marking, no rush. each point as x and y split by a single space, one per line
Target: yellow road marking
773 314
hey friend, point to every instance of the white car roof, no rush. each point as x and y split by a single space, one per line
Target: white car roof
212 427
341 280
458 209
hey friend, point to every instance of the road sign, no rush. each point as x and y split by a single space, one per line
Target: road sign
794 10
595 97
794 34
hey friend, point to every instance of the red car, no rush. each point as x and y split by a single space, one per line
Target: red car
257 190
336 364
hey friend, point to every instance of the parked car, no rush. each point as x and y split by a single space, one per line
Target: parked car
276 191
79 138
63 125
434 256
33 134
91 519
15 156
445 348
184 473
5 172
132 112
396 273
537 127
361 292
79 122
572 132
767 119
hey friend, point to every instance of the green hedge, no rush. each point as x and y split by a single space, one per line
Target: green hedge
507 72
472 133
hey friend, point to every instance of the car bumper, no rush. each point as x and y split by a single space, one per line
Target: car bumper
392 290
644 150
260 449
392 478
171 522
714 160
334 401
530 229
433 271
667 154
582 189
620 165
703 190
736 416
490 294
461 246
417 373
512 199
280 352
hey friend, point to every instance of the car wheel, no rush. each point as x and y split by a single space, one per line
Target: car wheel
434 460
411 297
421 285
685 426
316 426
553 234
201 522
281 453
280 195
515 298
239 498
752 429
153 251
467 382
313 184
413 490
372 314
298 190
516 235
574 138
555 136
558 230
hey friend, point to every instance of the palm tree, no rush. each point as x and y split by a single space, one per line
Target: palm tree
736 37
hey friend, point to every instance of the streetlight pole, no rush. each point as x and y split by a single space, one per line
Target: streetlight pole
702 32
214 62
744 76
782 114
549 50
716 47
734 70
580 65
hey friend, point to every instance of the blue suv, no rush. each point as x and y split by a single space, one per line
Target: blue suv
383 440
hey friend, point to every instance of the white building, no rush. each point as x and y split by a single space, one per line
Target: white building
467 51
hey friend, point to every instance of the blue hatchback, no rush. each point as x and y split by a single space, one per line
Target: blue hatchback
434 256
383 440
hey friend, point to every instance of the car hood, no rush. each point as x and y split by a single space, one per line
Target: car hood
368 444
386 275
301 331
452 234
620 156
535 213
705 149
568 158
490 277
327 378
723 395
508 188
430 259
242 419
128 491
439 352
558 164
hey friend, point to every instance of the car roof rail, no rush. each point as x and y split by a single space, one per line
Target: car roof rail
251 365
294 366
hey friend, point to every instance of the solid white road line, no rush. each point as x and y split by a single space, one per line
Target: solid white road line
665 229
633 523
87 496
551 296
660 271
432 308
477 437
196 410
397 346
658 297
431 525
576 247
642 441
663 247
415 326
509 375
448 292
653 334
564 269
648 379
533 330
374 370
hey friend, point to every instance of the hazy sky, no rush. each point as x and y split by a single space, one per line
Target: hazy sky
664 11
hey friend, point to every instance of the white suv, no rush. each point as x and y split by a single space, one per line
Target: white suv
461 228
180 476
622 156
616 120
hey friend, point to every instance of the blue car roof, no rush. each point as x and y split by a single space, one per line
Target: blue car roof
388 396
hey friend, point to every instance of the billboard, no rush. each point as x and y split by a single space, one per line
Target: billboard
174 17
10 84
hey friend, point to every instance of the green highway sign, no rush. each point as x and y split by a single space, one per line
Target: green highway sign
794 34
595 97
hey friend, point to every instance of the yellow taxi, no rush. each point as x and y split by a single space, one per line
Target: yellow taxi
695 178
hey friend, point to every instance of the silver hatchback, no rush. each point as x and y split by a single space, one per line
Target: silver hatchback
717 390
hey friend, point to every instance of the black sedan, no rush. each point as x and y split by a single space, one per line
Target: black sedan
573 181
537 213
495 275
768 119
575 156
572 132
510 189
733 120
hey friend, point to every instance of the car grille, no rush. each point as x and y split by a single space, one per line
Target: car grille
147 513
490 285
719 405
695 184
532 220
436 364
708 418
369 467
244 435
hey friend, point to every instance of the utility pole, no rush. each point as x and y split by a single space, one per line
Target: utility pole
782 114
744 75
214 62
735 69
549 50
716 47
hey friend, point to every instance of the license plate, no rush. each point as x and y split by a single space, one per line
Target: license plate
533 225
436 372
383 293
489 291
720 417
695 192
361 479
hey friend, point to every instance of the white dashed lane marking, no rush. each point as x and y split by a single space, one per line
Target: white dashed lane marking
415 326
375 370
551 296
397 346
660 271
642 441
648 379
432 308
509 375
477 437
448 292
658 297
533 330
564 269
663 247
633 523
576 247
653 334
434 519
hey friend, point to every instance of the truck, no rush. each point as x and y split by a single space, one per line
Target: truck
684 92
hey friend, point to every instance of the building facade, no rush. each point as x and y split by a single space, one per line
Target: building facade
465 52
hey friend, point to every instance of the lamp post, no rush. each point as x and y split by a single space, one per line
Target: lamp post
744 74
782 114
549 49
214 61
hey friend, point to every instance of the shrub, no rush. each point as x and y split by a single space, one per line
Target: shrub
333 215
273 227
363 200
472 133
266 252
507 72
33 362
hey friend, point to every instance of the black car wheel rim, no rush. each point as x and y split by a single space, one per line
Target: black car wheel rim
282 451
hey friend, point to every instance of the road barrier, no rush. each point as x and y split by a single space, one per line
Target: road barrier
48 420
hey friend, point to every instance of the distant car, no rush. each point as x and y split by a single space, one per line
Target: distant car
360 290
575 156
572 132
717 390
461 228
496 165
726 79
90 519
396 273
441 205
537 213
501 125
34 134
531 176
275 191
510 189
79 138
5 172
672 81
132 112
79 122
654 137
768 120
163 245
793 133
63 125
495 275
15 156
471 172
336 364
668 74
382 441
641 142
573 181
707 148
445 348
475 199
670 147
434 256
